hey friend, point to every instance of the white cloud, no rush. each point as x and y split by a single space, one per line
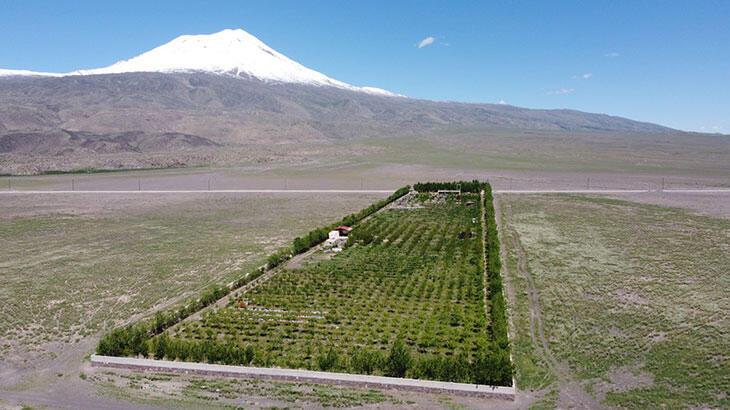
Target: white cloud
426 42
612 55
502 102
587 76
561 91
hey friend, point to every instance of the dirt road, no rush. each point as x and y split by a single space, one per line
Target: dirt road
360 191
202 191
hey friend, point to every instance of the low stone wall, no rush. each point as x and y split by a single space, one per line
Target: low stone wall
309 376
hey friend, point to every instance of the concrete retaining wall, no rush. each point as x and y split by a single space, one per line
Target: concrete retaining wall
309 376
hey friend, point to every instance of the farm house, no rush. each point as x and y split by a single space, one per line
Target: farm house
337 237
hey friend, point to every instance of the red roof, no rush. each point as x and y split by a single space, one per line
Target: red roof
343 228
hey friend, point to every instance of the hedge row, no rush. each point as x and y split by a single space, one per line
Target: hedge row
498 310
302 244
490 367
130 340
473 186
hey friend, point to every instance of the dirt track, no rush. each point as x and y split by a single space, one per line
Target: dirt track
199 191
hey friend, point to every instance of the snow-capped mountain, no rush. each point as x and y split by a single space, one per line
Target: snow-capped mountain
228 99
26 73
229 52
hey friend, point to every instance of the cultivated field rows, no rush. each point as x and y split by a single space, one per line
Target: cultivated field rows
414 276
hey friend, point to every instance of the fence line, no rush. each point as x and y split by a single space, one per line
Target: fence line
160 183
310 376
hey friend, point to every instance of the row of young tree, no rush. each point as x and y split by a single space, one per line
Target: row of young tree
490 366
498 309
474 186
130 340
352 219
315 237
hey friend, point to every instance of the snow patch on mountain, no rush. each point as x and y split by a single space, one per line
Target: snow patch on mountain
26 73
229 52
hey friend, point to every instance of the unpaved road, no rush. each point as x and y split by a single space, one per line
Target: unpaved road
614 191
363 191
201 191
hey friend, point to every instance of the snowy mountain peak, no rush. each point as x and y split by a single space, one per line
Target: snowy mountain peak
26 73
228 52
233 52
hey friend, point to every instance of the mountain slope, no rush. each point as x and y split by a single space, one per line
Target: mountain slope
228 96
238 55
168 102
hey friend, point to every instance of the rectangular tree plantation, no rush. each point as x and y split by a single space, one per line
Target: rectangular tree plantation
409 296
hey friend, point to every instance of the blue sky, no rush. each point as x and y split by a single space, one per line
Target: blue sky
658 61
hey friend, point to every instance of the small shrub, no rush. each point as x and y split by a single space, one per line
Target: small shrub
328 360
399 359
365 361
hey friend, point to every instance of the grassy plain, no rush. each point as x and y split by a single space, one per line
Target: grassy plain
508 158
618 303
556 151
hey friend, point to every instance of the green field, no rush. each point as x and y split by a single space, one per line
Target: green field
406 298
618 303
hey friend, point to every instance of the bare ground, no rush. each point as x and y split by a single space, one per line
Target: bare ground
355 175
704 204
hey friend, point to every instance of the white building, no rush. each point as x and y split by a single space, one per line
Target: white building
335 240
